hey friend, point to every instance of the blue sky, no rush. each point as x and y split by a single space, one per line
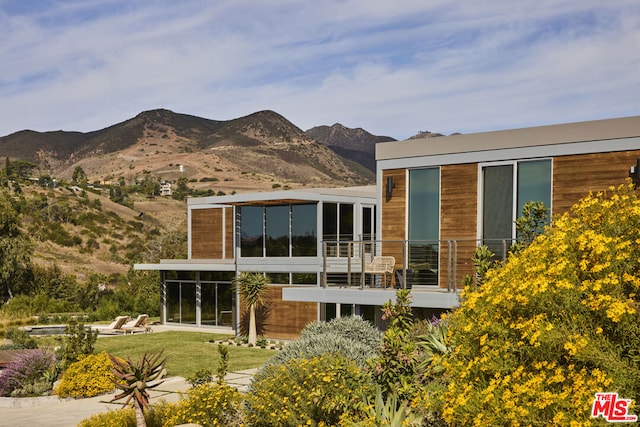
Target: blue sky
391 67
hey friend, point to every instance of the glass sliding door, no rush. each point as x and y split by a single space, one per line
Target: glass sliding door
497 202
424 226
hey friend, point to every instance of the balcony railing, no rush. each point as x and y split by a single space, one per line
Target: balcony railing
422 264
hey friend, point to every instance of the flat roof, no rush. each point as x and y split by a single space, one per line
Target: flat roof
288 196
596 130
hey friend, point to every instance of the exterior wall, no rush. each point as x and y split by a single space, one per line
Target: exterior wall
280 319
210 230
575 176
458 217
394 214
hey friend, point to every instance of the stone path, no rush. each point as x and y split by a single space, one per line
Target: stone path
51 411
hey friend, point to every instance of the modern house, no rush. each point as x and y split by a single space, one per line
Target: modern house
280 233
332 252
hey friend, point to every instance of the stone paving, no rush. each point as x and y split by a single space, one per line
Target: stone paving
50 411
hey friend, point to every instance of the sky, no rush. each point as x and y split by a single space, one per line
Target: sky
394 68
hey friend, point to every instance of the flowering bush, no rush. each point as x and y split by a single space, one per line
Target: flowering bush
307 392
126 417
209 405
89 376
349 336
31 374
554 325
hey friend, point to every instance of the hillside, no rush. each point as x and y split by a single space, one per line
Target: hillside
84 233
355 144
253 153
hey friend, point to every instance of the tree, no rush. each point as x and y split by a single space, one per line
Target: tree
251 286
134 379
15 249
79 176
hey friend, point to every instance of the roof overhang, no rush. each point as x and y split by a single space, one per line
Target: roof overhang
189 265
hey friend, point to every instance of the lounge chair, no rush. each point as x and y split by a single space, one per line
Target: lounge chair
115 326
137 325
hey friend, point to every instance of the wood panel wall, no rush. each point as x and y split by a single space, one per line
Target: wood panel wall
280 319
229 233
575 176
207 237
458 217
394 214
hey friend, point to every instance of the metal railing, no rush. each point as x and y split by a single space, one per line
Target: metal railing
427 264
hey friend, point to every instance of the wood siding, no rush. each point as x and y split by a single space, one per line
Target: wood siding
394 214
575 176
229 233
458 218
280 319
207 237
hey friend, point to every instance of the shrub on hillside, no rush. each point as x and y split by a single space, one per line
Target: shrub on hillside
89 376
351 337
554 325
307 392
31 374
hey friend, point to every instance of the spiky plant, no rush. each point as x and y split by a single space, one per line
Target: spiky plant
251 287
134 379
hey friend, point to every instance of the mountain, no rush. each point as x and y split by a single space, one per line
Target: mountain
355 144
257 152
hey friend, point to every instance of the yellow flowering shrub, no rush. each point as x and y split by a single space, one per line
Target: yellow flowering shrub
307 392
126 417
552 326
89 376
210 405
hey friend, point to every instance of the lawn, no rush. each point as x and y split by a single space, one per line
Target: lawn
187 351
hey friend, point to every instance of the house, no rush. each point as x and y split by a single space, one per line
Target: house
333 252
165 188
280 233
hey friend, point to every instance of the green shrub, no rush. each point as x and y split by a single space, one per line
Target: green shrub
89 376
202 376
555 324
77 342
307 392
351 337
21 338
208 405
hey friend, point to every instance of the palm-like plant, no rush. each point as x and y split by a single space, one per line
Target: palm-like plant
251 286
133 379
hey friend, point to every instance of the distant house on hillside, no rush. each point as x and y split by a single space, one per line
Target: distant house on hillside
165 188
338 252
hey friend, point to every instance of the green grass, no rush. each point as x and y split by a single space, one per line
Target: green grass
187 351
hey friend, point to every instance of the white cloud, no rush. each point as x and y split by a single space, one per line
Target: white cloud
393 68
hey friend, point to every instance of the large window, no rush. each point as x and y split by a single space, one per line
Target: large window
337 225
506 188
278 231
424 225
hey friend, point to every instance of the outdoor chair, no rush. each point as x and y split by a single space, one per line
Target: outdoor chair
137 325
381 265
115 326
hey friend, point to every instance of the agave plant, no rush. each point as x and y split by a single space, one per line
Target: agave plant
134 379
388 412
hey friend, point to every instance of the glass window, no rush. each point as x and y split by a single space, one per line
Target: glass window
279 278
534 183
173 302
504 195
277 231
303 230
329 221
346 221
497 220
188 303
424 204
251 231
304 278
424 226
